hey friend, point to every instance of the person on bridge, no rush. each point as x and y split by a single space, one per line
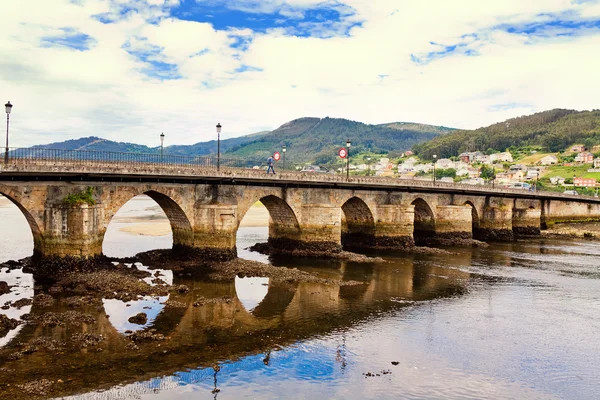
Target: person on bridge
270 165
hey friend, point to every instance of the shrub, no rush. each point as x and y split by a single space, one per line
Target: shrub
85 196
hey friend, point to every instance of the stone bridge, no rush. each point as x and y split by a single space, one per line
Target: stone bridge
307 211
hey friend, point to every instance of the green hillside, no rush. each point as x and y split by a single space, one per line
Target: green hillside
318 140
552 131
308 140
93 143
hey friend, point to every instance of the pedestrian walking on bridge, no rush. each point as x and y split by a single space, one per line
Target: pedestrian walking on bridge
270 165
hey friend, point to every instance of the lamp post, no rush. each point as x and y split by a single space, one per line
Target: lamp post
348 144
368 166
434 159
162 141
283 149
218 147
8 107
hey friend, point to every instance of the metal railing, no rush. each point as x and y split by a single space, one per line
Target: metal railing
36 160
100 158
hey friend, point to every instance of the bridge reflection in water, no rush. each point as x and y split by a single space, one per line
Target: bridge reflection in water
210 324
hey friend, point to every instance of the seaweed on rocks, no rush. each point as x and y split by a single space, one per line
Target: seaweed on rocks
61 319
7 324
270 249
4 288
85 340
43 300
229 270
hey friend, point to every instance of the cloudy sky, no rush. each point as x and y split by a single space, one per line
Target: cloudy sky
128 70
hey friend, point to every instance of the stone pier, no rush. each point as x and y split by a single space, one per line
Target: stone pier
526 221
453 222
215 227
74 231
394 226
495 224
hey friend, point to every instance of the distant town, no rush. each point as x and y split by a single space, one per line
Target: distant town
575 169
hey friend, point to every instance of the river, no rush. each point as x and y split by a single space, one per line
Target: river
515 320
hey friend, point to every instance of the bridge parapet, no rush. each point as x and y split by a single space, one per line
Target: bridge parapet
189 168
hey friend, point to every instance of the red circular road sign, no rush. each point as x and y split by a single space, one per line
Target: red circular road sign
276 156
343 152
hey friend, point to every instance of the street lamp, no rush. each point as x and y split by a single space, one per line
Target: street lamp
8 107
162 141
368 166
218 147
283 149
348 144
434 158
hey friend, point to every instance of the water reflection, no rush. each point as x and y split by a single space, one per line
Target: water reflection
516 320
251 291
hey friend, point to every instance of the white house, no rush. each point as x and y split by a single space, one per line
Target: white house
549 160
597 163
462 171
502 157
483 159
444 163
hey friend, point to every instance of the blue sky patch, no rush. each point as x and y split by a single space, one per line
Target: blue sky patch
69 38
444 51
327 19
546 26
246 68
553 25
149 54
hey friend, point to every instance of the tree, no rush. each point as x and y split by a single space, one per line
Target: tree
487 172
442 173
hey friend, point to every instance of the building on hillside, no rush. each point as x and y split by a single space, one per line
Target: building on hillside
462 171
482 158
503 178
585 158
460 165
518 167
532 173
557 180
501 157
548 160
469 157
516 175
423 168
596 149
584 182
444 163
408 153
597 163
473 172
577 148
473 181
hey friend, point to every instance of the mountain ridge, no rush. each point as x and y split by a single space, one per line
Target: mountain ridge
318 139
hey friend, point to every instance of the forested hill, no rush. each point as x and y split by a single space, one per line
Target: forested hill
318 140
553 130
308 140
93 143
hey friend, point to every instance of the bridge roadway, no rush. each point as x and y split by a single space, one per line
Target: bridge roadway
308 211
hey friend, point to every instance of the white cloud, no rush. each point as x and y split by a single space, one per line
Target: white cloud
62 93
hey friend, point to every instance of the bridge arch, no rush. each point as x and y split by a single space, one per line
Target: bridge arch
358 223
179 222
283 222
36 232
424 225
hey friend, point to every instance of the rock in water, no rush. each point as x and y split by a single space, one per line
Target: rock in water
139 319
